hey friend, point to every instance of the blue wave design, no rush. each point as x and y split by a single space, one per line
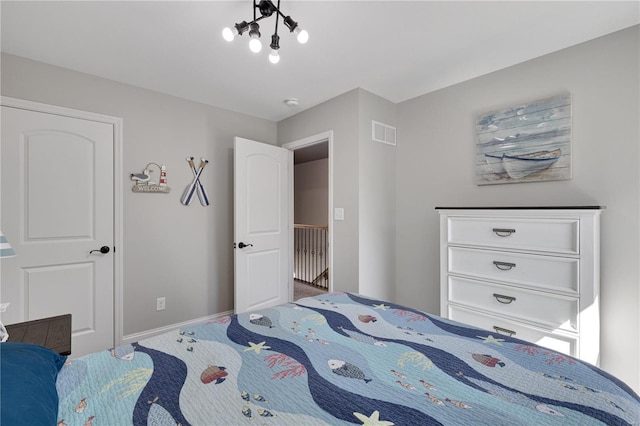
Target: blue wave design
326 395
165 386
455 367
470 332
445 361
607 418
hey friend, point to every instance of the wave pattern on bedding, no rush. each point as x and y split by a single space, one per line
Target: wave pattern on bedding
335 359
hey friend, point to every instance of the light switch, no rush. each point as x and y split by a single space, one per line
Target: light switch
338 213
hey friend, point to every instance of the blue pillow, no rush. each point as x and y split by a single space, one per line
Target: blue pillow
28 376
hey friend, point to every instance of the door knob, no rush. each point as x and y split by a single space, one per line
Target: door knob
243 245
103 250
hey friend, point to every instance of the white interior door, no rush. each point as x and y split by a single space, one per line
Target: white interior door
263 270
57 206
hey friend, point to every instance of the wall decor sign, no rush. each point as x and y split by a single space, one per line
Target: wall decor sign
525 143
143 181
196 185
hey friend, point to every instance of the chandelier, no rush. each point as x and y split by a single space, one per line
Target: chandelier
266 9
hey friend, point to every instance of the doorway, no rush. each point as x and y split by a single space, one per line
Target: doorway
312 206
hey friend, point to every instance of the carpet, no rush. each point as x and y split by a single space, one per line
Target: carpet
301 289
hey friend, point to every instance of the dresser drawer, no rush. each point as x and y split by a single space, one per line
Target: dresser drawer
559 342
542 263
548 235
549 311
544 272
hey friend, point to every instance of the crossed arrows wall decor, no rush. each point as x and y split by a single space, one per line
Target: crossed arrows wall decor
196 185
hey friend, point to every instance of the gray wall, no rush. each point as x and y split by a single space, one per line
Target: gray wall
435 165
340 114
377 199
363 184
311 192
182 253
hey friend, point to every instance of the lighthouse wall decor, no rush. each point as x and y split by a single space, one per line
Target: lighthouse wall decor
143 182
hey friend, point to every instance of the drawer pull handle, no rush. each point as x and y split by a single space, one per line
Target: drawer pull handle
504 266
504 299
503 232
500 330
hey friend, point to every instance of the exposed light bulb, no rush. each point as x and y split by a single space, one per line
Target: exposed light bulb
255 44
274 56
229 34
302 35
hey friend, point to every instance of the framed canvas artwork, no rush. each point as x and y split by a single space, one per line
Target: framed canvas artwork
525 143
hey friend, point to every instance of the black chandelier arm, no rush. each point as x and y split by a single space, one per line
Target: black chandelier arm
243 26
255 21
288 20
267 8
278 9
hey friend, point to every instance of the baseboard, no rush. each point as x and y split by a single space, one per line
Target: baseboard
131 338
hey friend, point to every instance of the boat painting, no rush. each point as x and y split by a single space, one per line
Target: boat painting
519 166
526 143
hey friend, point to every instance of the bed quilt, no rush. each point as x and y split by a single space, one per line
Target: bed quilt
338 359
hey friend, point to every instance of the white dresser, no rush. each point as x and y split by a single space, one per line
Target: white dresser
531 273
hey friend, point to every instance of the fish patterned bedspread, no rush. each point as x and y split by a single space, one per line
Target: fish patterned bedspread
335 359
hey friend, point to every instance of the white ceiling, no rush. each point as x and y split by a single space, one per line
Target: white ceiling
395 49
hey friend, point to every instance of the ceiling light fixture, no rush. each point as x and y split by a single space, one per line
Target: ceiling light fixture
266 8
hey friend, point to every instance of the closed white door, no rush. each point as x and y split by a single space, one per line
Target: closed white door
57 206
262 231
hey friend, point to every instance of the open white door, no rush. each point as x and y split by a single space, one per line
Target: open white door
262 229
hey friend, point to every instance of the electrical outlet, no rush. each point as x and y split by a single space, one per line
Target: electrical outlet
161 303
4 306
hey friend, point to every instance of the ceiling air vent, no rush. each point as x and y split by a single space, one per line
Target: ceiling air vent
383 133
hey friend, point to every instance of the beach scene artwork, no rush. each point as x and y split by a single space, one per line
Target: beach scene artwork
525 143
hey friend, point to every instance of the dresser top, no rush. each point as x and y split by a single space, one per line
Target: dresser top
525 208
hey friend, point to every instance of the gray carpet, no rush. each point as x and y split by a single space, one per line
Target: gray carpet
301 290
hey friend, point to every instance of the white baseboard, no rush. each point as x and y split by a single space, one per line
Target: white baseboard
131 338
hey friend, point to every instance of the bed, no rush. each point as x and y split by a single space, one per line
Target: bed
339 358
